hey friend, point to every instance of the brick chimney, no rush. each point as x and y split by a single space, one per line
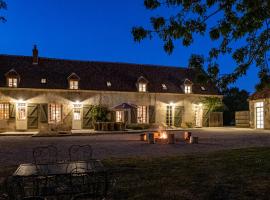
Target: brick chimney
35 55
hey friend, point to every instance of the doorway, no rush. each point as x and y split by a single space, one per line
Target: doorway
198 116
259 115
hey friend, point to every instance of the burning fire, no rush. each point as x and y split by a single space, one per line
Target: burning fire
163 135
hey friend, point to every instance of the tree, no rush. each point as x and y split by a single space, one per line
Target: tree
3 6
196 62
234 100
239 27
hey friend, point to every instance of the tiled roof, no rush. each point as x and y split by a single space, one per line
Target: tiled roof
95 75
265 93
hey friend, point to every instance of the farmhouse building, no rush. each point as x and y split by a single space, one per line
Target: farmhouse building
259 107
39 93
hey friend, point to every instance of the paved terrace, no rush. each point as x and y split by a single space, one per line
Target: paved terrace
18 149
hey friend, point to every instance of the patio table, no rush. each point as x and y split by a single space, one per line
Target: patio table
32 172
60 168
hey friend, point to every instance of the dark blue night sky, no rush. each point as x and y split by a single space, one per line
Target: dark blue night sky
95 30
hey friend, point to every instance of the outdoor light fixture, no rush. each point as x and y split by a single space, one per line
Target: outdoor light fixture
77 104
171 104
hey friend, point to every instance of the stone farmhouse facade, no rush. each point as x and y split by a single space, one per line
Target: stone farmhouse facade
40 93
259 109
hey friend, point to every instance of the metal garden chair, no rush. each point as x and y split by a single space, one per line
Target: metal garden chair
80 153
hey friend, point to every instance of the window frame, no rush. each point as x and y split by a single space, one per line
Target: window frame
4 111
72 85
55 115
169 115
21 111
12 82
142 114
142 87
188 89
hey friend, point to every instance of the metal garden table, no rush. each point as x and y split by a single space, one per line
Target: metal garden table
33 172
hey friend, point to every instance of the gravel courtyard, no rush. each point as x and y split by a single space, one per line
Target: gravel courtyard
18 149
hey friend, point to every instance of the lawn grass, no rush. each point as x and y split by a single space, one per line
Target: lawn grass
232 174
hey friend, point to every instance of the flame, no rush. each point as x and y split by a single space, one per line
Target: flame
163 135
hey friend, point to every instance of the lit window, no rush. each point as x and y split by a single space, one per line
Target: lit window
109 84
142 114
21 111
77 111
120 116
169 115
187 89
4 111
259 114
142 87
12 82
203 88
43 80
164 87
77 114
73 85
55 113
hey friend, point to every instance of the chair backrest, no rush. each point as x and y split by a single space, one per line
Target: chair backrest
45 154
80 153
34 198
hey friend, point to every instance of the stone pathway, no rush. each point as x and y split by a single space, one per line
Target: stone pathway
18 149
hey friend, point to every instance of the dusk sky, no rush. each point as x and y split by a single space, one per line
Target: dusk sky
97 31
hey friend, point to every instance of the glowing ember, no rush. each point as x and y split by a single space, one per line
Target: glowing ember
163 135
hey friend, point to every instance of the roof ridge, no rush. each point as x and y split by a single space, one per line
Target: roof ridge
95 61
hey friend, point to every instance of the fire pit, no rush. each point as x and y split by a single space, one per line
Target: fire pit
162 139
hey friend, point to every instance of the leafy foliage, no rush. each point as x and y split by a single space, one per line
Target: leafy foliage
99 113
3 6
232 21
234 100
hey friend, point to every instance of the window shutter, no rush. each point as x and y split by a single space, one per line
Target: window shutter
43 112
12 111
87 117
133 115
152 114
126 116
178 113
113 116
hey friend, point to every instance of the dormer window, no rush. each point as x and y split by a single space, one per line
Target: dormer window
73 81
12 82
43 80
142 87
12 78
109 84
203 88
164 87
187 89
73 84
142 84
188 86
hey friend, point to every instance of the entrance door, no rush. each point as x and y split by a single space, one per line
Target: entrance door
21 116
169 116
259 115
32 116
198 116
77 117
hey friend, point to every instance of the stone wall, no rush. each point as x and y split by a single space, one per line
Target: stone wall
252 114
110 99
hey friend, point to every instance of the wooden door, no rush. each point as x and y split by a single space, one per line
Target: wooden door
32 116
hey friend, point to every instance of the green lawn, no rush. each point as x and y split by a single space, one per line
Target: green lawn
233 174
